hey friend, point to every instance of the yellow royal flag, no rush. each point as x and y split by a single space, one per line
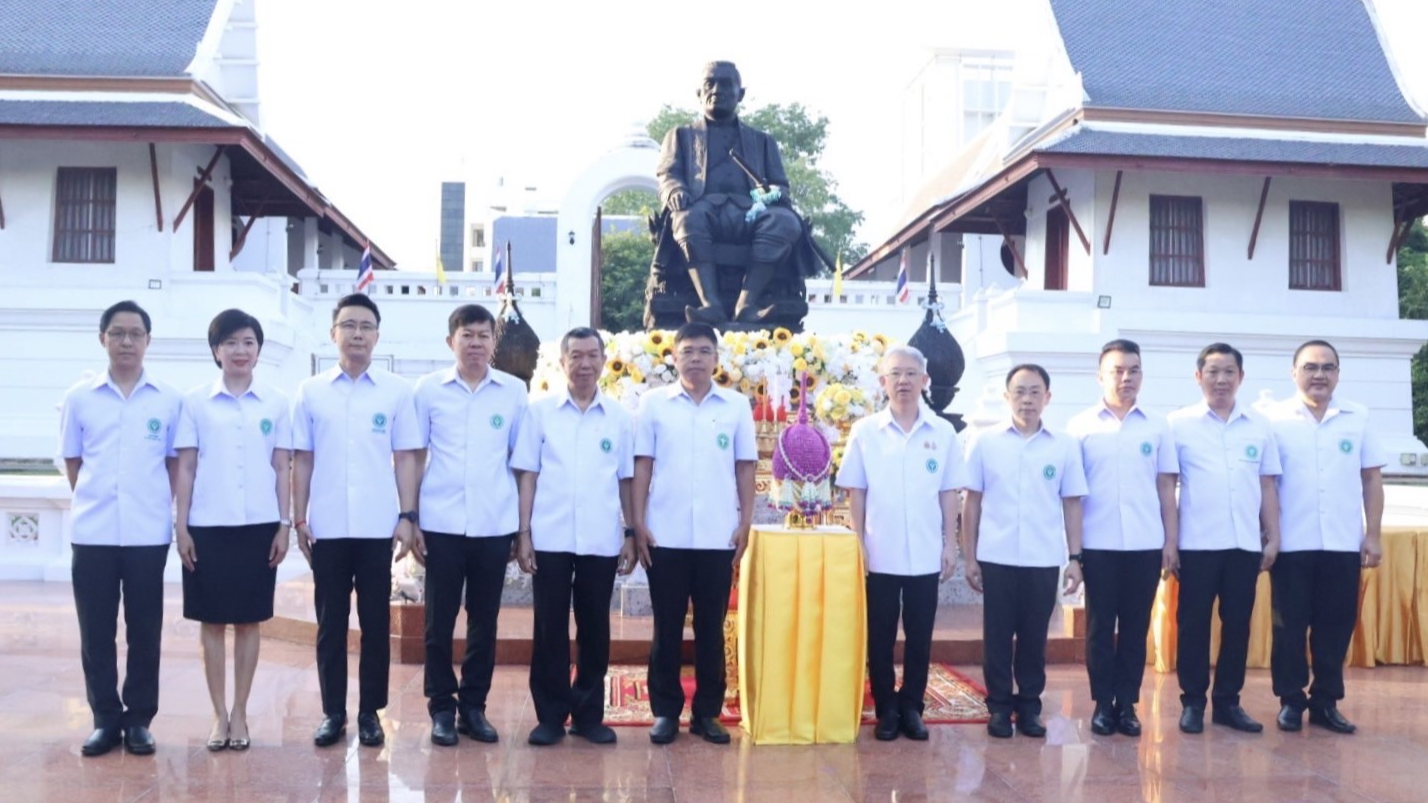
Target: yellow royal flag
838 276
440 270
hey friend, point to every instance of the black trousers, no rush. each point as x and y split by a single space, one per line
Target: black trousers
914 598
101 575
1229 575
470 571
677 577
338 566
588 580
1120 592
1018 603
1315 592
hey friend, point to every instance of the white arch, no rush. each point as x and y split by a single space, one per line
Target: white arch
632 165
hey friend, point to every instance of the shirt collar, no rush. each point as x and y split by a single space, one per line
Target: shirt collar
453 375
676 390
1302 409
1237 412
1103 410
103 379
219 389
335 373
885 419
565 398
1008 425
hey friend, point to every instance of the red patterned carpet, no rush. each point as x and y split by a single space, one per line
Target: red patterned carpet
952 698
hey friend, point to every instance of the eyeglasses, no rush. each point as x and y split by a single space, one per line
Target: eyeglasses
135 335
691 353
898 376
1312 368
351 327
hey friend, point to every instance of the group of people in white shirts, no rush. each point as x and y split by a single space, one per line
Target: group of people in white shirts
465 472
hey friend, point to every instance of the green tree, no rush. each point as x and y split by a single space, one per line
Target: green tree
801 138
641 203
625 267
1413 304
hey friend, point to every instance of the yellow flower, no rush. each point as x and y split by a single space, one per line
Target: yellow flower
745 386
616 367
781 336
721 377
655 338
666 351
796 349
635 375
761 343
800 364
859 336
842 397
880 343
735 375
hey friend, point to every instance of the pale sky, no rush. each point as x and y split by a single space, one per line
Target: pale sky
380 101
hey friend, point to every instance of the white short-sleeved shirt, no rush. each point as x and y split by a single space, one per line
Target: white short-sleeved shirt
1022 482
694 498
903 474
235 483
352 427
1220 468
580 458
1321 492
1122 458
468 488
123 496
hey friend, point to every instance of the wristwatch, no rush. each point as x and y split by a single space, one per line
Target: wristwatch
409 515
284 523
1076 557
629 532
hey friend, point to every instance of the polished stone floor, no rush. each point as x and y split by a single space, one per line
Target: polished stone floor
44 717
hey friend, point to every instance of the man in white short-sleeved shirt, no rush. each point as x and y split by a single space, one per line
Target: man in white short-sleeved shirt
903 467
1129 507
575 462
1229 533
355 476
117 440
693 503
1021 522
1330 522
469 416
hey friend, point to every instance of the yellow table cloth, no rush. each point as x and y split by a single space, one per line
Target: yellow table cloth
802 635
1393 611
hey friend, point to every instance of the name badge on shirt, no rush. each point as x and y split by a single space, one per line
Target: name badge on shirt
379 424
1049 472
1346 446
154 426
266 425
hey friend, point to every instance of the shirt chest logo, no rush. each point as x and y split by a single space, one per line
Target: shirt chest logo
1252 452
379 423
1049 472
1346 446
154 426
497 421
931 465
606 445
1145 448
266 425
722 440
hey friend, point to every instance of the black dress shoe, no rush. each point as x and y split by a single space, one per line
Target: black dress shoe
369 729
596 733
1236 718
546 734
473 723
1290 718
1103 721
1127 722
888 727
138 741
1000 725
912 725
710 729
443 728
1192 719
1329 717
665 729
1030 725
101 741
330 731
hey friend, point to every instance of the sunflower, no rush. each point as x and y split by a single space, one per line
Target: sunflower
656 338
800 364
881 342
666 351
635 375
745 386
781 336
761 343
616 366
721 377
796 349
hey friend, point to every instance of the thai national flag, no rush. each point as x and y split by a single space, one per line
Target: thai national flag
904 291
365 275
500 268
